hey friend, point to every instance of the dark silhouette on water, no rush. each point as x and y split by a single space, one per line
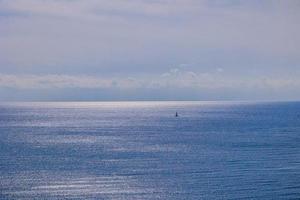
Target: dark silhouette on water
176 115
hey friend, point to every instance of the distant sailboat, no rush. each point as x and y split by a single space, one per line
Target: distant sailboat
176 115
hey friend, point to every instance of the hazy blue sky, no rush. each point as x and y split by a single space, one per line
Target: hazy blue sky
149 50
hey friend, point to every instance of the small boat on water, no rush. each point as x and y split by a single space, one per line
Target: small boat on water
176 115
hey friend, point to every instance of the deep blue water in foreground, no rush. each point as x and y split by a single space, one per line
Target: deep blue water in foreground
139 150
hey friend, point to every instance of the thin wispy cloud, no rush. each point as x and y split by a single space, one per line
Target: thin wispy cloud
175 78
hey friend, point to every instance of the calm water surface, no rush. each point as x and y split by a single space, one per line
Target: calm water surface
139 150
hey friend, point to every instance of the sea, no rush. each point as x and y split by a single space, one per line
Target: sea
141 150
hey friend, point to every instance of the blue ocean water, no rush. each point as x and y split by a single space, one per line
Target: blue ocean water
140 150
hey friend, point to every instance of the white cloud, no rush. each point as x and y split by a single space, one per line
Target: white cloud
60 81
117 38
171 80
219 69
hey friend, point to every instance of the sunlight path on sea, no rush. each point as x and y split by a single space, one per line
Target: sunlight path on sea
140 150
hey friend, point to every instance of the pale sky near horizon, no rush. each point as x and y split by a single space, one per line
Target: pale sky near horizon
149 50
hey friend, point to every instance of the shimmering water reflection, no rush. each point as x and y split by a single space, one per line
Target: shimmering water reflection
139 150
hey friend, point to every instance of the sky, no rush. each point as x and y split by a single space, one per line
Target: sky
93 50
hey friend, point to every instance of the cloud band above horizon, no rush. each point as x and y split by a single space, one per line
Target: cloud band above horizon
132 45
